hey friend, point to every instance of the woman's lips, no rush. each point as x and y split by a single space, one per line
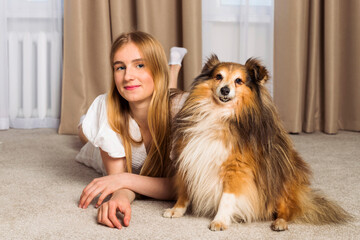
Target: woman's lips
131 87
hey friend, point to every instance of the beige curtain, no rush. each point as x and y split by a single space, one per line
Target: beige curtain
91 26
316 64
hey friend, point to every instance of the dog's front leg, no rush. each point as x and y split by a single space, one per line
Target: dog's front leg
178 210
238 186
182 202
222 219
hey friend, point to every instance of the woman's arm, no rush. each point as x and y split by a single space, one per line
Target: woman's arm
104 185
158 188
113 165
154 187
118 178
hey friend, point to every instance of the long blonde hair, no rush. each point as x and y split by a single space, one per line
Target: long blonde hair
118 111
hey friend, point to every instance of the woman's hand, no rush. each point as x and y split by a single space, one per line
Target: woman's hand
107 211
104 185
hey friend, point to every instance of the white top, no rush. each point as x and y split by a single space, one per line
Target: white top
100 135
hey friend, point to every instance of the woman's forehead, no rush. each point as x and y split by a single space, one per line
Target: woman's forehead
127 52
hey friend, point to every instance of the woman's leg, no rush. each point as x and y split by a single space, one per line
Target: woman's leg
176 56
82 135
174 74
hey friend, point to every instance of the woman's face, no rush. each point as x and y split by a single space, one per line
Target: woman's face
132 77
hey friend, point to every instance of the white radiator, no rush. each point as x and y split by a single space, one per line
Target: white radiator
34 79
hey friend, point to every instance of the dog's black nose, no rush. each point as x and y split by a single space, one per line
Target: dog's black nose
225 90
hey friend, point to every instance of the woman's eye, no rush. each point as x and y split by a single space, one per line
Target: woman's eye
238 81
140 65
120 68
219 77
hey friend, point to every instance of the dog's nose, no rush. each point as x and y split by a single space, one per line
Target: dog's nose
225 90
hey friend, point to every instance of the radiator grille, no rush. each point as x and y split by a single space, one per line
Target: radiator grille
34 78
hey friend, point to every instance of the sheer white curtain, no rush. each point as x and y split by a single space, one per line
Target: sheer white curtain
4 110
30 63
236 30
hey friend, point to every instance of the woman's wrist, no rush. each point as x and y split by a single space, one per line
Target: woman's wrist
125 180
123 194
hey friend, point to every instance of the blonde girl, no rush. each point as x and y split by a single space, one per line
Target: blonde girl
130 126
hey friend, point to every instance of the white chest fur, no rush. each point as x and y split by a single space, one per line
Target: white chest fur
200 163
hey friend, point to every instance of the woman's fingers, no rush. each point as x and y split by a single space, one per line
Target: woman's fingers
126 210
85 193
105 185
107 213
99 218
104 216
127 216
89 195
89 186
112 215
101 198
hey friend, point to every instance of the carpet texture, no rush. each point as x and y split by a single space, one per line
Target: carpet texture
41 185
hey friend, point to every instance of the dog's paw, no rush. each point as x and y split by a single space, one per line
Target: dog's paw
174 212
218 226
279 225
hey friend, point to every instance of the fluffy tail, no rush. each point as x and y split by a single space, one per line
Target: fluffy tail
319 210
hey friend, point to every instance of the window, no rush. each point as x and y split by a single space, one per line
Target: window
31 48
236 30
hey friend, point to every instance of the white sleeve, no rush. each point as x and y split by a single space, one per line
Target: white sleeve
98 131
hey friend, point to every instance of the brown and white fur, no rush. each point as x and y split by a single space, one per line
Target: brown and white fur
233 158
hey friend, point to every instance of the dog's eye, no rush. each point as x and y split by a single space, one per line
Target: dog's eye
219 77
238 81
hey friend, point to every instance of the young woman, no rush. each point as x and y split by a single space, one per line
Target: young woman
131 127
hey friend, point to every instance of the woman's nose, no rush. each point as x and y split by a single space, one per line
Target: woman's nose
129 74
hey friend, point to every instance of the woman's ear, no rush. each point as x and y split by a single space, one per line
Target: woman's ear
256 71
211 62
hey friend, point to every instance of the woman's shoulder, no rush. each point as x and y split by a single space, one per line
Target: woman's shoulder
96 128
97 109
99 101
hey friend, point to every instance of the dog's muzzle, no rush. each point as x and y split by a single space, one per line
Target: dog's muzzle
224 91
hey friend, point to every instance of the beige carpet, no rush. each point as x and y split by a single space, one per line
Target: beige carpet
41 184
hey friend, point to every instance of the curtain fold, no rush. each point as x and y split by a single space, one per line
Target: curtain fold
316 51
91 26
86 68
191 38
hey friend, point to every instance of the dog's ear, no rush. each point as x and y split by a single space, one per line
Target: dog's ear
256 70
211 62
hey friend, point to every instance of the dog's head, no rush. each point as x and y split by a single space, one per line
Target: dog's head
233 82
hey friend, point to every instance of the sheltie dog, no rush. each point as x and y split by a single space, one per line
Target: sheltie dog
234 160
